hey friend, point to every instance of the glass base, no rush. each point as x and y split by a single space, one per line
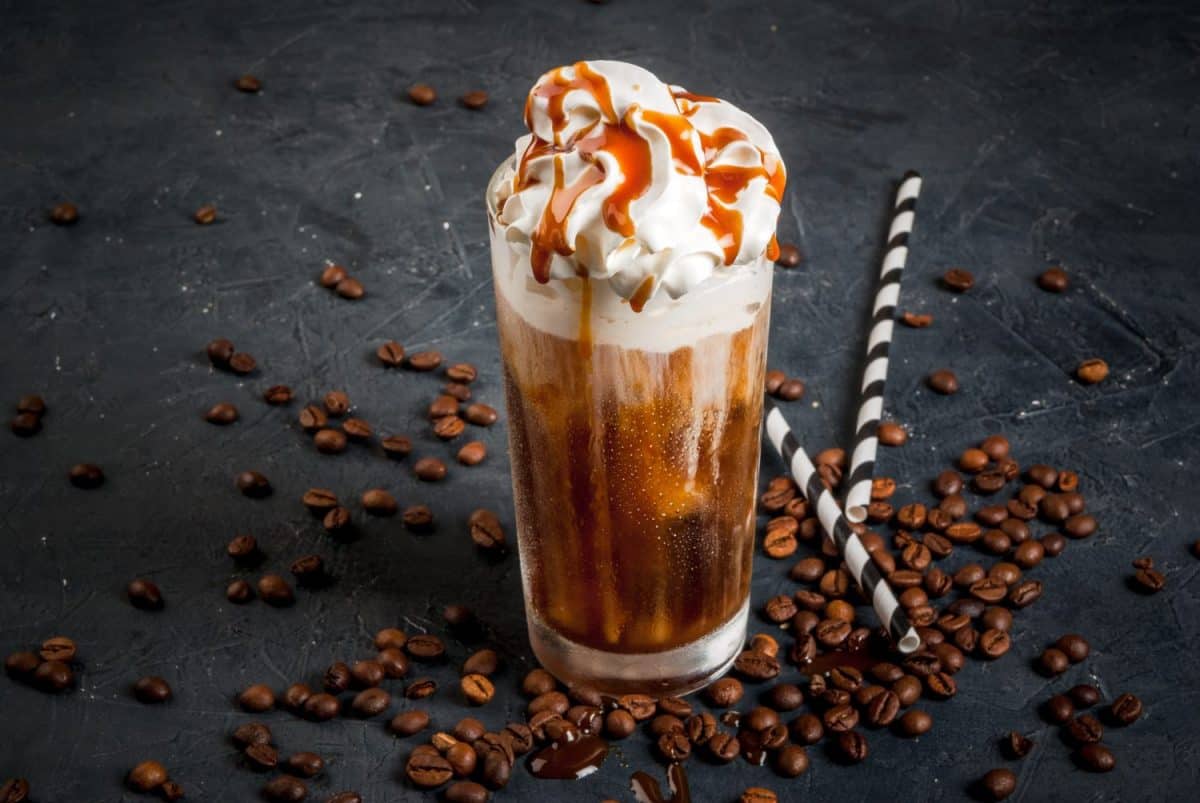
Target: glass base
660 674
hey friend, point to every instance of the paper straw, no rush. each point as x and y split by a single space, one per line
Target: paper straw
870 407
858 561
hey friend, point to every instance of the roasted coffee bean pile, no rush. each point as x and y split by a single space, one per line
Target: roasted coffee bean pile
962 613
259 753
27 422
784 387
51 668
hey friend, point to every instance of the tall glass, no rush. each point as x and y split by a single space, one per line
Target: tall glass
634 439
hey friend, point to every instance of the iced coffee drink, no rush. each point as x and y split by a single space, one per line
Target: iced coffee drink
632 245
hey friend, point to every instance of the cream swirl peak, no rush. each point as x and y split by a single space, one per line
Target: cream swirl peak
647 185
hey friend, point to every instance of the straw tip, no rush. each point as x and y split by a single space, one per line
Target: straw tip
909 642
911 174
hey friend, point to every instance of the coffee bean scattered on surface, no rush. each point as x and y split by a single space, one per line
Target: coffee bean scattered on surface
789 255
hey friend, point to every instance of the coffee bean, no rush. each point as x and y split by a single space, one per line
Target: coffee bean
851 747
425 647
242 363
285 789
408 723
1058 709
330 441
331 275
337 677
26 425
322 707
994 642
619 723
724 693
251 733
907 689
261 756
422 94
257 698
882 710
1092 371
205 215
357 430
915 722
1084 695
756 666
486 530
313 418
958 280
791 390
1096 758
350 289
21 665
481 414
891 434
296 695
497 768
472 454
305 764
791 761
1074 646
1149 581
674 746
145 595
277 395
465 792
248 83
53 676
789 255
147 776
448 427
1081 525
58 648
773 380
1053 662
391 354
152 689
1126 709
1053 280
538 682
366 674
1053 544
253 485
424 360
642 706
221 414
371 702
86 476
379 502
64 214
998 784
477 689
429 469
275 591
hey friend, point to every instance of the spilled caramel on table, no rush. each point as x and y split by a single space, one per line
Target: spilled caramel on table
646 790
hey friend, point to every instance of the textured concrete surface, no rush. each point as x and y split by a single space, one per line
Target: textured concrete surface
1048 133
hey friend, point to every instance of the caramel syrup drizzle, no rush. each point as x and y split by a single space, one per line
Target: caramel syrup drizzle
618 138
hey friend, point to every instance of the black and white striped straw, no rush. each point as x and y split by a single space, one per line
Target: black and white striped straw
870 406
858 561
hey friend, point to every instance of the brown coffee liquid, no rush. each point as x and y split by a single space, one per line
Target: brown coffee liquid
634 475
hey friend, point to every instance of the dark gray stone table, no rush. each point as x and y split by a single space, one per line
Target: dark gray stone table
1049 132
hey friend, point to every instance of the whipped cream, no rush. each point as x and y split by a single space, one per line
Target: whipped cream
625 178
